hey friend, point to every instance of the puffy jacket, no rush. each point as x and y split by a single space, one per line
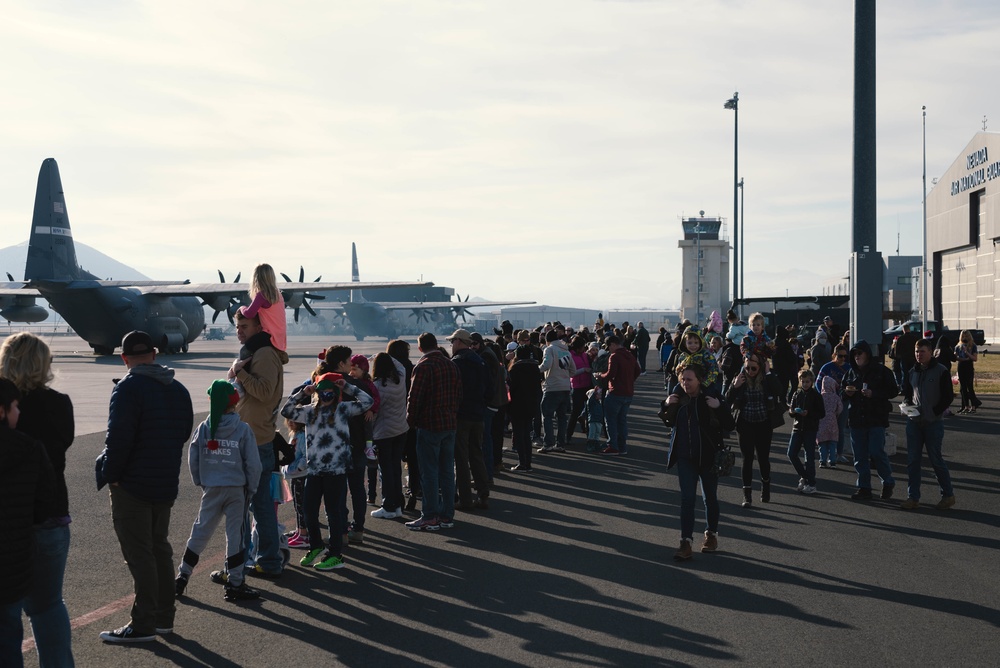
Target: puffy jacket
391 417
833 406
873 411
47 416
149 423
27 490
811 402
929 389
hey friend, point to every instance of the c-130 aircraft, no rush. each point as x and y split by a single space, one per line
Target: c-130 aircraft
103 311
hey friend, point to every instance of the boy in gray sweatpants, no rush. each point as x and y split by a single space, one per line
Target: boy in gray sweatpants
225 464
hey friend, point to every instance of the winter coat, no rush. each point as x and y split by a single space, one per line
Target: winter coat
703 357
558 367
475 385
864 412
47 416
264 387
149 423
930 390
327 430
525 381
27 492
773 397
712 422
833 406
391 418
811 402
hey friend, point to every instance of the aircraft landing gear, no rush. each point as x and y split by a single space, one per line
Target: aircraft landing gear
359 337
103 350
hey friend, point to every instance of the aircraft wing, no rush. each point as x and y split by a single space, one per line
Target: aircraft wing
238 289
421 306
17 289
399 306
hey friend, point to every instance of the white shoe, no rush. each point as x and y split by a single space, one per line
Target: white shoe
383 514
802 485
809 489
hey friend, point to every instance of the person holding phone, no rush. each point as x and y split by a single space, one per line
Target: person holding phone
755 396
869 386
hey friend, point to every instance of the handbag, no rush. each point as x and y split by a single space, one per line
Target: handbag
724 460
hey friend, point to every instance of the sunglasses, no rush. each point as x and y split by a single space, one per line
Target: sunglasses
753 368
842 357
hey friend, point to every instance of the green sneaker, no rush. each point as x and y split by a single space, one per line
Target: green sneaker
311 556
330 562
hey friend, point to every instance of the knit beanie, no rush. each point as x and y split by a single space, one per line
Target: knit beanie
361 362
222 396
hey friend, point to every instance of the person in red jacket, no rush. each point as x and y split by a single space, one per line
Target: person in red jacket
623 370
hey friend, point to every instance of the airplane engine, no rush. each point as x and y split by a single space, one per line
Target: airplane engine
169 334
24 313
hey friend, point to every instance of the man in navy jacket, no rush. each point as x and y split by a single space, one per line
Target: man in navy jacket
149 422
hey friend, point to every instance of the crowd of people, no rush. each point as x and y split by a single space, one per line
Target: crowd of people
837 394
356 421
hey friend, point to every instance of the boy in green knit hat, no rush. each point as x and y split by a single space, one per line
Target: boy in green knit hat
225 464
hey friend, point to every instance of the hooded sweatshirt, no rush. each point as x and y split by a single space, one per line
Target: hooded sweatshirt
558 367
865 412
233 462
829 429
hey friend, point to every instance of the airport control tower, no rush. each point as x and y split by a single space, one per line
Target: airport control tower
704 269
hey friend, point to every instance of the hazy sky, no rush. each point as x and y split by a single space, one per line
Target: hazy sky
523 150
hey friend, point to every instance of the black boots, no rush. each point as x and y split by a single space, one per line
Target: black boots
747 501
765 490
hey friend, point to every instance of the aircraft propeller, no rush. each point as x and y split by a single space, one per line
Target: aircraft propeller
461 311
226 303
296 299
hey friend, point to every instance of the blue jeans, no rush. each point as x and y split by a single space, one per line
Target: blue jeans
11 635
44 603
558 405
868 444
828 451
616 419
688 474
436 454
266 553
920 436
842 429
798 441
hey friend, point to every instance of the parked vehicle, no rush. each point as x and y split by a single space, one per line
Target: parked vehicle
936 330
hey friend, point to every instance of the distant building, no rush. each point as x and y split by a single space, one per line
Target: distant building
704 268
529 317
651 319
963 230
898 302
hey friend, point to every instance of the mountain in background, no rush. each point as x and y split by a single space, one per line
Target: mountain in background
13 259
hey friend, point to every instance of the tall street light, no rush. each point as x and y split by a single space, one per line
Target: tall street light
734 104
743 286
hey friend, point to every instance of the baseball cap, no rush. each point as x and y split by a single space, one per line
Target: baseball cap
137 343
462 335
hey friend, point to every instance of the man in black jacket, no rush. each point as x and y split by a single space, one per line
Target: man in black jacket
869 387
149 422
927 390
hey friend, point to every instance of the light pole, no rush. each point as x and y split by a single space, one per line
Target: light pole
697 277
734 104
743 245
923 267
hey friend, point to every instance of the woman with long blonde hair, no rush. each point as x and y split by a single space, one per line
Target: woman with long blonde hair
967 355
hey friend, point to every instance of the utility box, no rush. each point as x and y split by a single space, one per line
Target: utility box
866 299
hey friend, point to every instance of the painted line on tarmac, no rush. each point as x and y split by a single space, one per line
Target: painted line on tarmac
100 613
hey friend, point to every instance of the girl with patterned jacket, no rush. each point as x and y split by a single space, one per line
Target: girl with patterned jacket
328 458
694 350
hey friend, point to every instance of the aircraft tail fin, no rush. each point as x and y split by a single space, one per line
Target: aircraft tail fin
51 253
356 295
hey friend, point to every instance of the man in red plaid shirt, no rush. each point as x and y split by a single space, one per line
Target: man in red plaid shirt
432 408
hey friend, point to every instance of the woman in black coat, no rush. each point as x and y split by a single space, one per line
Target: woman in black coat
525 383
697 421
45 416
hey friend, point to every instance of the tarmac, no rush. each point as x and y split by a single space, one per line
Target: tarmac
572 564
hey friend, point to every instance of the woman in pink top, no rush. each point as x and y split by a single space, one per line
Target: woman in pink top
581 382
267 303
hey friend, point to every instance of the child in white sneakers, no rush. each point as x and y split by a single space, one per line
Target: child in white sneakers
224 463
